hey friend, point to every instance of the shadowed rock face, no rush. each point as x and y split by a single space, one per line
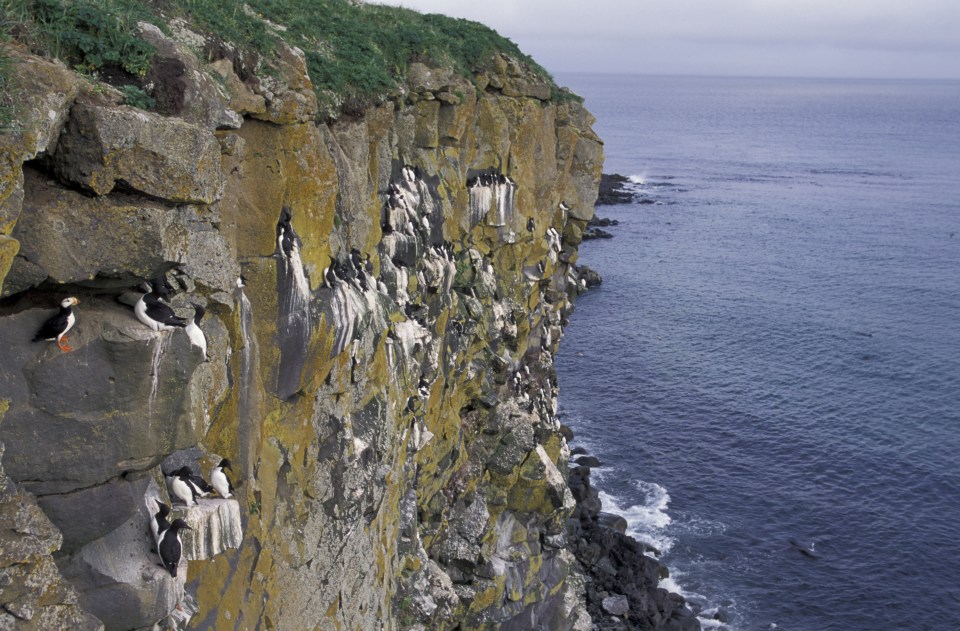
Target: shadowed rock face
34 595
115 404
382 382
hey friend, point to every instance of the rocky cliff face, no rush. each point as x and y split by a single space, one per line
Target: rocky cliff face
381 378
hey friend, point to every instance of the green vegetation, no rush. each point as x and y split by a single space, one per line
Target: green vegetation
406 613
6 90
356 54
90 35
132 95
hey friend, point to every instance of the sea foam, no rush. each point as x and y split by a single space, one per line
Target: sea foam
646 521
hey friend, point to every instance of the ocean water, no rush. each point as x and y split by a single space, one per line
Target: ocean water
770 371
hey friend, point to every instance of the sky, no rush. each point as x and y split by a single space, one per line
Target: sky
780 38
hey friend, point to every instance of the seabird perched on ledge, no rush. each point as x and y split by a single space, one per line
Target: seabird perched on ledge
171 547
181 488
220 481
194 332
200 486
152 312
285 235
56 327
159 523
187 486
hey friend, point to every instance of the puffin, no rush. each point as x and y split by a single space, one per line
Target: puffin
159 523
57 326
197 338
156 315
220 481
170 547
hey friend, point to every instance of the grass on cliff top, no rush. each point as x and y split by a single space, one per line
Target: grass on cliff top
356 54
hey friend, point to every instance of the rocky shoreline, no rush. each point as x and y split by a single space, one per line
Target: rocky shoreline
622 586
613 191
622 589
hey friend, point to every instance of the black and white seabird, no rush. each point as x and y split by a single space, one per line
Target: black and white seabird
356 259
154 313
56 327
163 286
200 486
286 237
171 546
159 523
362 280
194 332
187 486
220 481
181 488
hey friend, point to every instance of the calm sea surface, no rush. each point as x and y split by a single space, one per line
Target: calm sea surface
774 355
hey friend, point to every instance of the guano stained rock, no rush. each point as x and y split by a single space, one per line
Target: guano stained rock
384 293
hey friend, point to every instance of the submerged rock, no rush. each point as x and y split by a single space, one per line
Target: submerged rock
596 233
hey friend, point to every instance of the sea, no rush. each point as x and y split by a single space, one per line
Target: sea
770 371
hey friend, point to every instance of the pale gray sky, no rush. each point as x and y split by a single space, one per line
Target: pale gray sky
790 38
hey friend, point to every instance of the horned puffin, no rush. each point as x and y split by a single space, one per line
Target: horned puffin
194 332
170 547
56 327
220 481
152 312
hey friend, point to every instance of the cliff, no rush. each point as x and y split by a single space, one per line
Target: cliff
383 387
385 285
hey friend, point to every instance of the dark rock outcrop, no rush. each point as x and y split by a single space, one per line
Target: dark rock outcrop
623 590
603 222
587 277
596 233
613 190
33 594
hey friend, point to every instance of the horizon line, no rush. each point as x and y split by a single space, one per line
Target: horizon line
749 76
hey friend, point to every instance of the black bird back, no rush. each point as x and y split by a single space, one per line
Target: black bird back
54 325
162 313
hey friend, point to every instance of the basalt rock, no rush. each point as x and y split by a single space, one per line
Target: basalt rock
43 104
159 157
624 582
384 294
613 190
587 277
34 595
